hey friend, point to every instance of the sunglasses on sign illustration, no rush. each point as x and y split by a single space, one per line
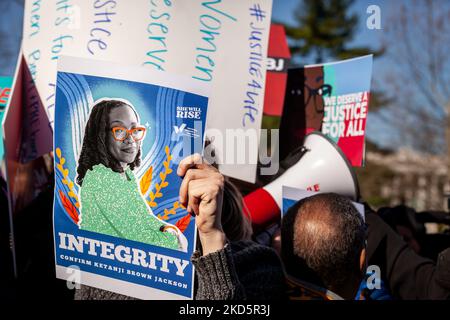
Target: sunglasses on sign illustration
322 91
121 133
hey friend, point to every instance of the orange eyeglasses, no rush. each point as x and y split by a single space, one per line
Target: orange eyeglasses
121 133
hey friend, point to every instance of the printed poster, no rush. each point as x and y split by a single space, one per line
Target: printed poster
278 58
277 65
5 91
221 42
27 140
27 144
332 98
120 133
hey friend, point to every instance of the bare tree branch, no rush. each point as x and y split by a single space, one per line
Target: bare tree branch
417 41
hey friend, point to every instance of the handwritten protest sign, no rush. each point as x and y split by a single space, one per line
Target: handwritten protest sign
221 42
125 232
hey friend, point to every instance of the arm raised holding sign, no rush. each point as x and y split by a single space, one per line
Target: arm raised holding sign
228 266
238 269
202 193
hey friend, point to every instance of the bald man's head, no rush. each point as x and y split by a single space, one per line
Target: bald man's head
324 234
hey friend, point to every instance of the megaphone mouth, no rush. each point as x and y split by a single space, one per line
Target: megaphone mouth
343 156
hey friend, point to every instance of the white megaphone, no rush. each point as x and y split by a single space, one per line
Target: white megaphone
323 167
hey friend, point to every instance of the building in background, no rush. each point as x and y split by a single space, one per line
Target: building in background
404 177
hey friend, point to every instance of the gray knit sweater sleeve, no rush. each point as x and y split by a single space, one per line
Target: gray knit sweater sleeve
91 293
242 270
216 276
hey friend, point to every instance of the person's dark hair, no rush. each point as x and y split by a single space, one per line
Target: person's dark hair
235 223
95 142
323 234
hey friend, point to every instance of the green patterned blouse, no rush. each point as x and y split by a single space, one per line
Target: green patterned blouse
112 204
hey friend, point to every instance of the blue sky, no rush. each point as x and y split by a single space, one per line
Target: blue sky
283 11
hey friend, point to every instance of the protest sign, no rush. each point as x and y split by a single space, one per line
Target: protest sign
125 232
277 64
222 42
27 137
5 90
293 195
276 78
332 98
27 142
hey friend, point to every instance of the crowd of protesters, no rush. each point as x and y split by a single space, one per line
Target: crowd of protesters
321 250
